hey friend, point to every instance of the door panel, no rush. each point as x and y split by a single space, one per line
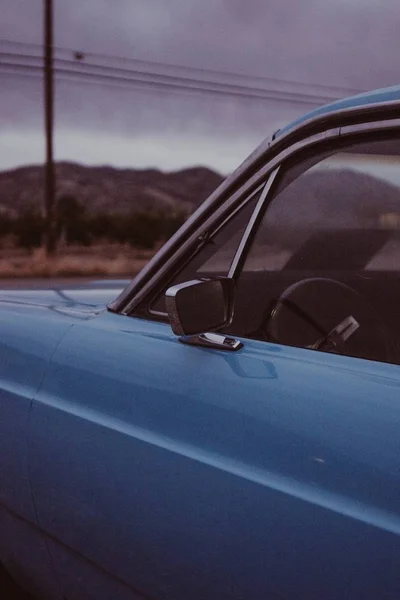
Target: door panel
83 579
25 556
24 357
272 472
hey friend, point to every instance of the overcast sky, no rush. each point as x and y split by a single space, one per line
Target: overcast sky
348 44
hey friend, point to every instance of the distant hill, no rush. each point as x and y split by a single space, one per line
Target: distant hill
340 197
334 198
107 189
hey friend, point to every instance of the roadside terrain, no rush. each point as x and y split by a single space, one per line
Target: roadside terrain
108 222
106 260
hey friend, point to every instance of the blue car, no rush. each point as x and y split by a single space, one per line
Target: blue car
227 425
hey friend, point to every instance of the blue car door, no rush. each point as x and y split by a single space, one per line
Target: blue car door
24 357
166 471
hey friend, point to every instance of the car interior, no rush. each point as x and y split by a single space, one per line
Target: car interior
331 277
322 271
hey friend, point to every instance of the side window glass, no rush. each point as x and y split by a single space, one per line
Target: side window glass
215 256
323 270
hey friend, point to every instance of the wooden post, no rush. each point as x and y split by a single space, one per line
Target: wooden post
49 179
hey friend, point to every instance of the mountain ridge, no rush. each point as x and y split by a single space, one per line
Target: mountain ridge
108 189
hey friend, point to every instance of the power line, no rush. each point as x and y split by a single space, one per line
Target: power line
49 181
163 79
160 65
137 87
100 78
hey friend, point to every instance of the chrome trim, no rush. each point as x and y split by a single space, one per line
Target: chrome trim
158 313
216 220
247 189
213 340
322 119
333 340
231 215
248 175
270 142
228 289
207 237
240 254
360 110
369 127
170 302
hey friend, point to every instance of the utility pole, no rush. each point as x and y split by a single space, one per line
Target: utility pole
49 179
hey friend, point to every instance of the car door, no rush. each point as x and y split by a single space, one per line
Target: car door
182 472
24 357
179 472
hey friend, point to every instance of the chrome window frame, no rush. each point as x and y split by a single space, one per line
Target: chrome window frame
204 239
248 235
261 168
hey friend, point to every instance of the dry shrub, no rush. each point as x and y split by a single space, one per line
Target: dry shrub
64 264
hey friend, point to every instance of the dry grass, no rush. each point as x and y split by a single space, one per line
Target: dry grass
74 262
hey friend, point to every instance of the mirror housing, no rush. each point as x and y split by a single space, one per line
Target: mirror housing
200 305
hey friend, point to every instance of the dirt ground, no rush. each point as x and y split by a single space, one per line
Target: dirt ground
74 261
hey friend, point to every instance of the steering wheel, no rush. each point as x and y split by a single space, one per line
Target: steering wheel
324 314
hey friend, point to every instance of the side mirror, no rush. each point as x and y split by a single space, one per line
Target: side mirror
200 306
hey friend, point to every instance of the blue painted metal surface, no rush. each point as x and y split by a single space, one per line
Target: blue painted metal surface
25 556
377 96
28 338
27 341
277 478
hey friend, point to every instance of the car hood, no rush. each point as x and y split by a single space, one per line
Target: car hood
91 293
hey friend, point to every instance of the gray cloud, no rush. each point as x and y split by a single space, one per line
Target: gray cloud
348 43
